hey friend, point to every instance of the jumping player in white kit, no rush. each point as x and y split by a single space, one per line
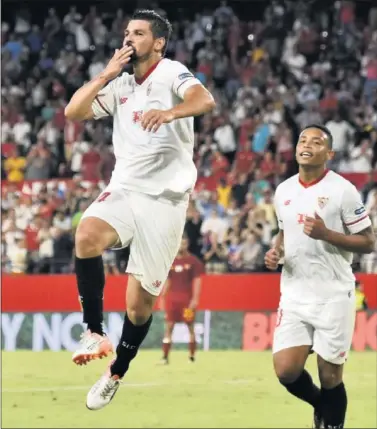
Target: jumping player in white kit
144 205
322 221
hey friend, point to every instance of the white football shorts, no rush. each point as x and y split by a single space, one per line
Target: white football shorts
327 327
151 226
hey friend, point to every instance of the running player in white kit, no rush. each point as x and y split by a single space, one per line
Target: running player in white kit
322 221
144 206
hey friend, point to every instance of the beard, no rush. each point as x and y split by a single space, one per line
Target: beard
133 57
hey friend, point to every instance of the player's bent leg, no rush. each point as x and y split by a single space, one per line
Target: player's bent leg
93 236
167 341
289 363
332 341
333 393
289 367
137 322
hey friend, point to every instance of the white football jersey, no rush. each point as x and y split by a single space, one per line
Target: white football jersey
152 163
314 270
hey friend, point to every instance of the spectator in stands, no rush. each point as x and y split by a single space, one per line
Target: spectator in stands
46 251
76 215
220 164
342 133
240 189
259 185
39 162
15 166
215 225
21 132
61 221
18 256
262 136
91 164
193 230
266 204
225 138
361 157
62 243
224 191
109 262
215 255
250 255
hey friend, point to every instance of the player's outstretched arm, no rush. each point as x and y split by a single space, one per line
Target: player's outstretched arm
80 106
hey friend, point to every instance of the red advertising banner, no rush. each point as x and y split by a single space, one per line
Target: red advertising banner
229 292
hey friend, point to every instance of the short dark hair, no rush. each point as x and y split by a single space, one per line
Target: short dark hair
160 26
323 129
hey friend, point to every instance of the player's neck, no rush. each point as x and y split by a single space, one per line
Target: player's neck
142 68
311 174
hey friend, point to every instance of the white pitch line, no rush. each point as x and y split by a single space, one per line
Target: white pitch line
132 385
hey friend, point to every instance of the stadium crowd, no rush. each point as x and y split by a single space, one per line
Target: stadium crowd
271 75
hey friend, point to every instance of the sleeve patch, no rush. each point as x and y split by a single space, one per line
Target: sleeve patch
183 76
359 211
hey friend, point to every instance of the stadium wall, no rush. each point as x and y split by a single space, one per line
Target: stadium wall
236 312
228 292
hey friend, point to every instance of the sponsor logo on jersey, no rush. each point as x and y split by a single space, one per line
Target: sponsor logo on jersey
286 203
322 201
360 210
184 76
123 100
136 116
301 218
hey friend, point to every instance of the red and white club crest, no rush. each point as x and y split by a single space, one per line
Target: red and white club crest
322 201
136 116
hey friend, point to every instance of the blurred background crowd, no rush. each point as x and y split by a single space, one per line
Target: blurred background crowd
273 67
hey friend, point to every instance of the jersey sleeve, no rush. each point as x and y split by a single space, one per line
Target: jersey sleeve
277 210
182 79
104 103
353 212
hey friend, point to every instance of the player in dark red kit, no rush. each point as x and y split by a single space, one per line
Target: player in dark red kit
180 297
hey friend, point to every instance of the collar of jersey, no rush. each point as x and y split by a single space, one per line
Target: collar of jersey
314 182
147 74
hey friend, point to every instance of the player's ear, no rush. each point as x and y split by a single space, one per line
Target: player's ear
159 44
330 155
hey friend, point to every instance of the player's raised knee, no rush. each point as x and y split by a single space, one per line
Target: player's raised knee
90 239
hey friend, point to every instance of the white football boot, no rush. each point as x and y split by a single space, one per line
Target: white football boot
92 346
103 391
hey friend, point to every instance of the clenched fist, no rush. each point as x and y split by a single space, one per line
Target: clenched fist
315 227
272 259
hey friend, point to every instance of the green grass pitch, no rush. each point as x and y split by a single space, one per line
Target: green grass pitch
223 389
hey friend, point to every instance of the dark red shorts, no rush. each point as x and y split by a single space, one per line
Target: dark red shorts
179 314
